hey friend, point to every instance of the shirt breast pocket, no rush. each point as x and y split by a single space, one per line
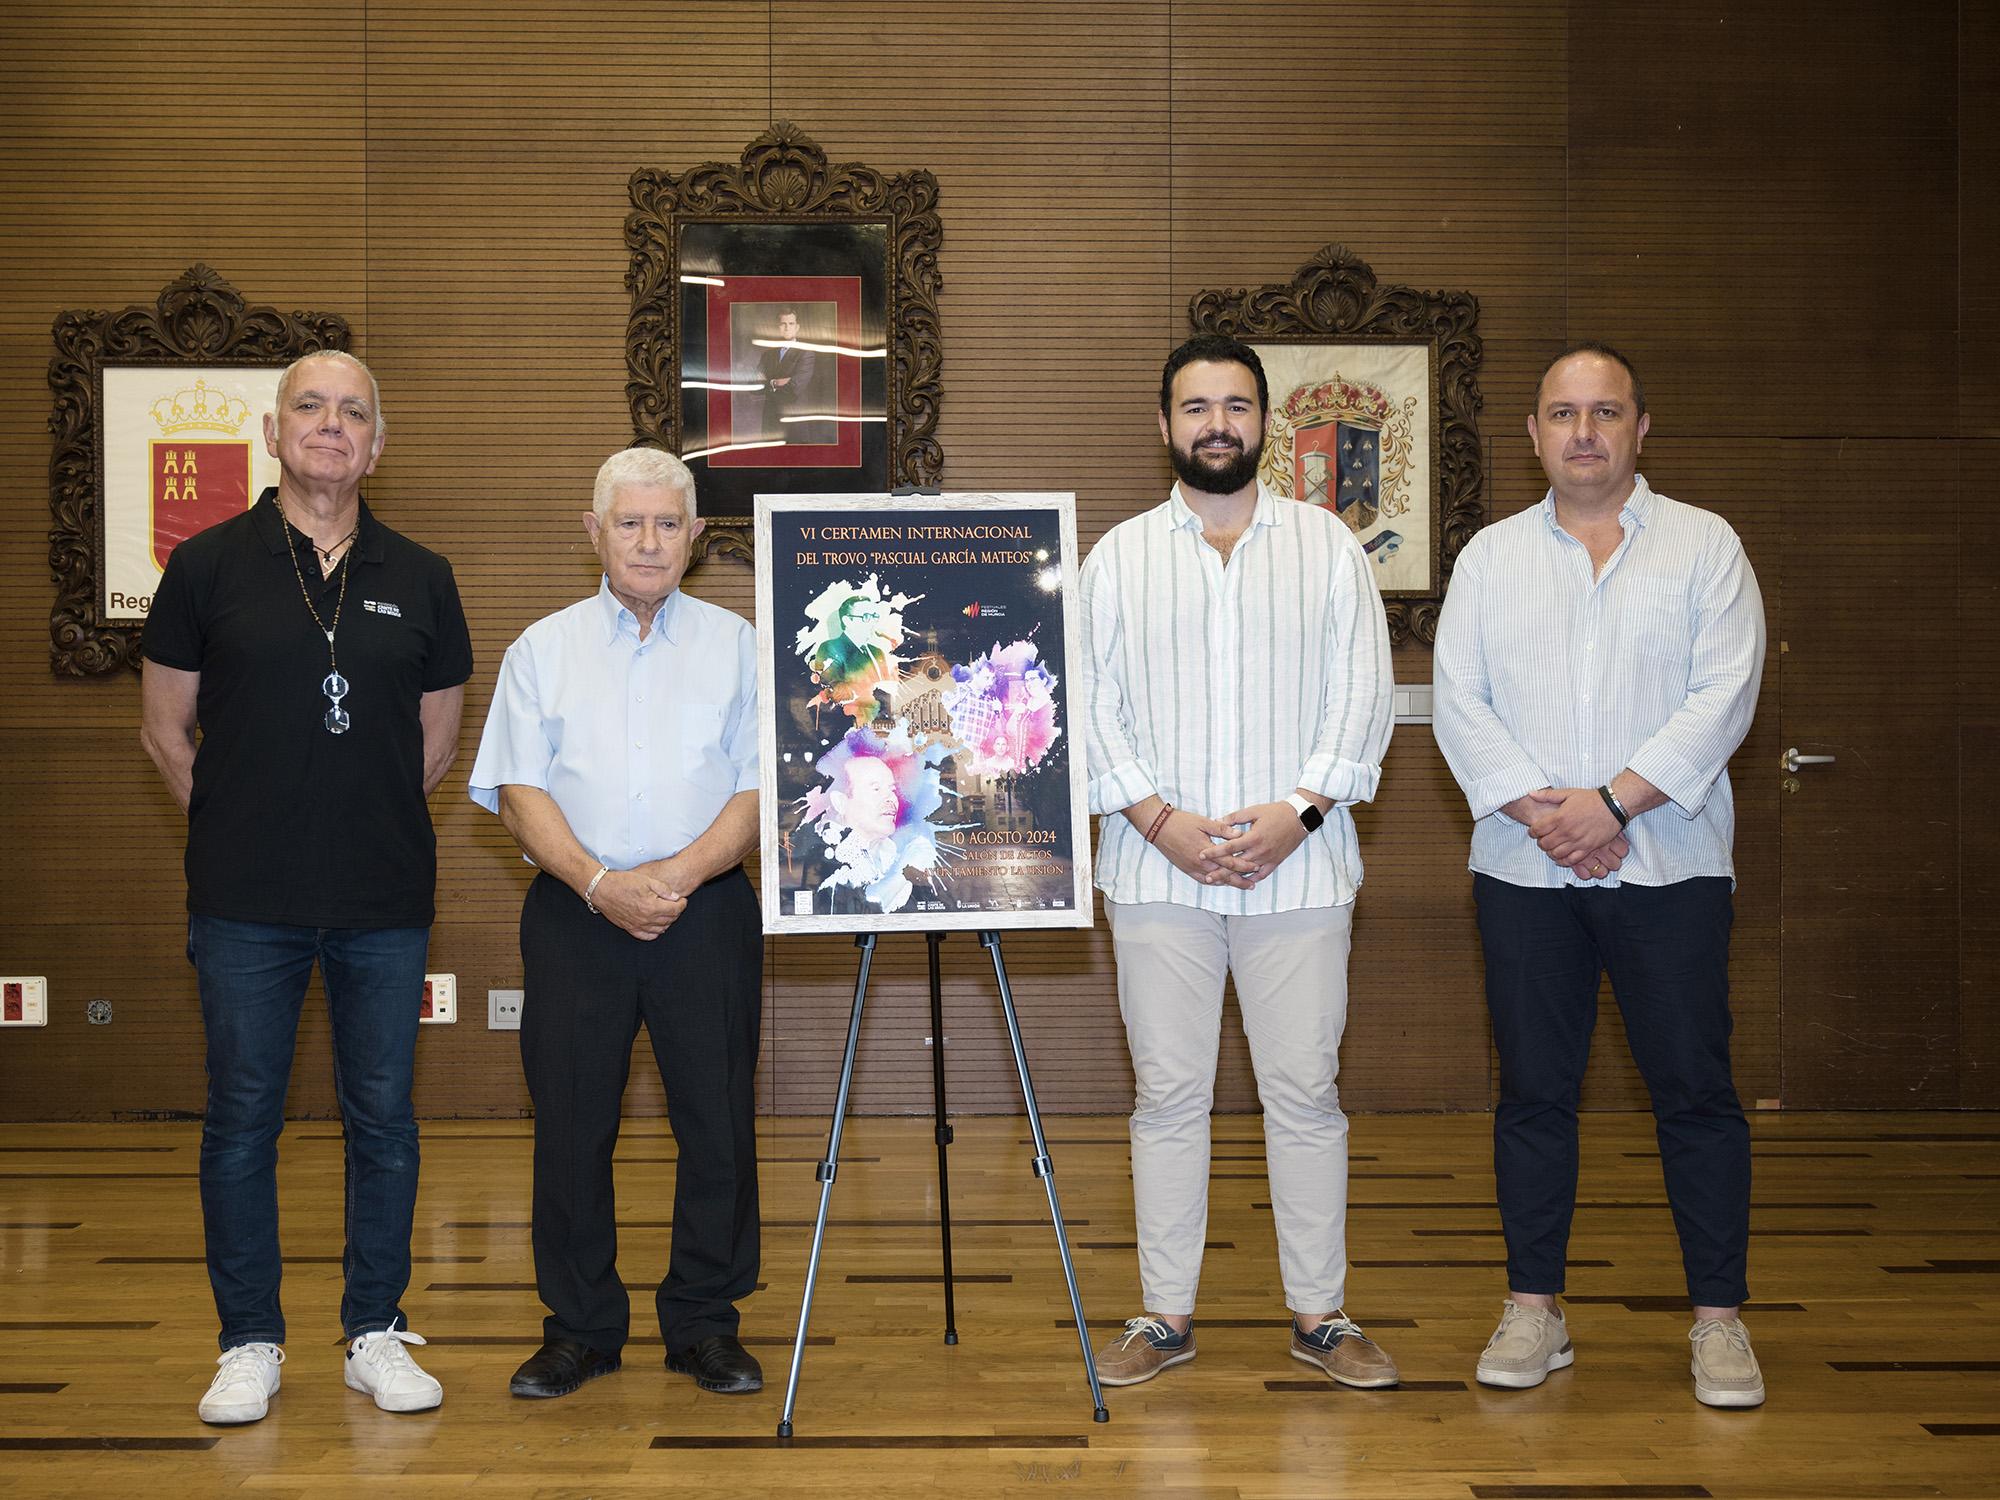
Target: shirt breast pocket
701 736
1656 619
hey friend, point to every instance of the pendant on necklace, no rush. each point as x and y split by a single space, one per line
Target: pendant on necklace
335 688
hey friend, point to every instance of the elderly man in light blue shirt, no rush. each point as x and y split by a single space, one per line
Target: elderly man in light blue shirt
1598 659
621 754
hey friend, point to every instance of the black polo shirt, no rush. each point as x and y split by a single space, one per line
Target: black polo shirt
289 823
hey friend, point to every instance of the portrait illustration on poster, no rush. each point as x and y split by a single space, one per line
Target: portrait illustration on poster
920 768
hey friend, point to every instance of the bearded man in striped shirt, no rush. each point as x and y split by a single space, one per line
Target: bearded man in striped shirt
1237 696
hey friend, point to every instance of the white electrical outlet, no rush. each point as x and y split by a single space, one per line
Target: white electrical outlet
440 1000
503 1010
24 1000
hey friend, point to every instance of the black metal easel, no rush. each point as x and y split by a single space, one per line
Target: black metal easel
1043 1168
942 1134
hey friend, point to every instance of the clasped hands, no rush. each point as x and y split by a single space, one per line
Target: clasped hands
644 900
1238 849
1574 828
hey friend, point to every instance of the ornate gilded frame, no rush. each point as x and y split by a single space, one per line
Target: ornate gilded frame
197 319
1336 298
784 177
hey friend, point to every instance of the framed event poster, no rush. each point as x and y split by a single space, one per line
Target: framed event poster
159 432
1374 415
921 768
783 337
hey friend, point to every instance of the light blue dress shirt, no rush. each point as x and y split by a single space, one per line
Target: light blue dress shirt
640 743
1546 676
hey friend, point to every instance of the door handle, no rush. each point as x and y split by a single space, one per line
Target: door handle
1791 760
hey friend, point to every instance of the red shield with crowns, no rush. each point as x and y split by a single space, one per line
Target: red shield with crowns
194 485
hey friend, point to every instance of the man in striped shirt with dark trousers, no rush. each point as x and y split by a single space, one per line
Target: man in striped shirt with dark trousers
1237 700
1598 659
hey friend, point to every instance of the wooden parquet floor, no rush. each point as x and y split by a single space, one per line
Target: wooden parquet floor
1875 1269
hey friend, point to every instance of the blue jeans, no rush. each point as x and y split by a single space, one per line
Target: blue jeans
253 983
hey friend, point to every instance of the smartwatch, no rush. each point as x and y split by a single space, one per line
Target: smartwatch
1310 816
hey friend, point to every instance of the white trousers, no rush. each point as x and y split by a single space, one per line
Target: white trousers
1291 986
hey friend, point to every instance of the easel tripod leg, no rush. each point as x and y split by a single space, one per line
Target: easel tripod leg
1045 1169
825 1173
942 1133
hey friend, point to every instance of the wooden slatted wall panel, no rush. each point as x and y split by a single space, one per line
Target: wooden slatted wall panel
1875 1023
1765 197
1045 125
1293 127
1716 233
138 139
452 180
1979 554
1978 825
500 142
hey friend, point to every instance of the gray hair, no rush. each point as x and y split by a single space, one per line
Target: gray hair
340 356
646 468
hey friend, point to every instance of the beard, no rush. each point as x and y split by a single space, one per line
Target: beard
1218 471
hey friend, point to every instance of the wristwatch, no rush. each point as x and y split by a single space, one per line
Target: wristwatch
1310 816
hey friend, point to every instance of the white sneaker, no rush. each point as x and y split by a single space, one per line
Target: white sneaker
243 1387
378 1365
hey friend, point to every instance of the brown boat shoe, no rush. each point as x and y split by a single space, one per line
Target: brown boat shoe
1339 1347
1146 1347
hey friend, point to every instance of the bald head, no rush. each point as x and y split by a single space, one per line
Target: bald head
1601 351
322 358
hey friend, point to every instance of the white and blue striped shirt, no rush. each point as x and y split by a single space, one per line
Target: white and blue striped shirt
1222 687
1546 676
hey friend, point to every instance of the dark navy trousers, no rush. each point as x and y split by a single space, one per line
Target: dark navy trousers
1667 951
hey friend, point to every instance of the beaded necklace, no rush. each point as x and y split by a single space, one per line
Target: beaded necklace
333 685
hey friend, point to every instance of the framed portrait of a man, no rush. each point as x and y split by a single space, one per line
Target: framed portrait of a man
783 359
784 329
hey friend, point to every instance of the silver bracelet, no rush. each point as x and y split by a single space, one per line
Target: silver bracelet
1617 808
591 889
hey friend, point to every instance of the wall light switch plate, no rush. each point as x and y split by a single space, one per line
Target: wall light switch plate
440 1000
24 1000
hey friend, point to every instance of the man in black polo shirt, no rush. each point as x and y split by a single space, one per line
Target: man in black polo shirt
323 660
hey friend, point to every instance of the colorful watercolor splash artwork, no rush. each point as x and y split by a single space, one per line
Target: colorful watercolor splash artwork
1003 709
874 811
851 645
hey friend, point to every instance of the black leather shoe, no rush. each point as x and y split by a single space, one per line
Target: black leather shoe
559 1367
719 1363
